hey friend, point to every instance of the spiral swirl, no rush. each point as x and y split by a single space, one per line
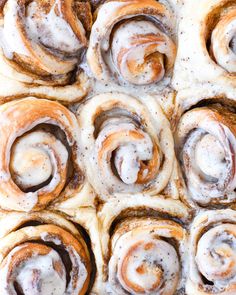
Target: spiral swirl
42 44
124 145
42 40
213 261
133 40
206 147
44 259
143 260
223 37
36 155
219 258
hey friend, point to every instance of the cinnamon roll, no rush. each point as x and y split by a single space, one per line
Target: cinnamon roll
42 43
42 253
133 41
143 245
206 146
212 253
126 146
206 59
38 154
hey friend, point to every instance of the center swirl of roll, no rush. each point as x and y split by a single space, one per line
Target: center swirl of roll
44 271
210 156
146 273
215 256
135 157
35 157
139 48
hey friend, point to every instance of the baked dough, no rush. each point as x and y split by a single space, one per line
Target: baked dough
137 242
126 145
206 59
41 45
42 251
206 148
36 155
212 254
133 42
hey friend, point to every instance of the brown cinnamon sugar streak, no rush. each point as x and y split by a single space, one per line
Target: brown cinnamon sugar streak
36 166
205 140
131 41
42 43
47 257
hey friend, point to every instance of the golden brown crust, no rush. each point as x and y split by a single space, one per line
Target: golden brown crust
45 241
141 248
41 59
212 237
205 142
143 26
126 145
16 119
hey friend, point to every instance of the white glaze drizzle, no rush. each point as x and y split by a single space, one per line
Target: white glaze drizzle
51 29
